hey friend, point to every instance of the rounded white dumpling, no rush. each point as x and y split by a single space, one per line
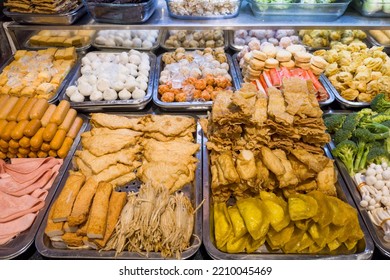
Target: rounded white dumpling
100 40
138 94
134 73
123 58
70 91
143 85
143 72
144 58
118 85
95 65
118 40
86 70
135 59
130 85
92 80
144 66
103 84
96 96
77 97
147 44
124 94
92 56
128 43
85 89
82 79
121 77
142 78
110 94
110 42
151 39
135 52
137 42
85 61
131 66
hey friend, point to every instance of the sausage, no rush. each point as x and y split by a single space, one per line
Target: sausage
32 128
42 154
23 151
24 142
16 109
11 155
3 150
49 112
45 147
24 114
74 129
50 131
32 155
66 145
19 155
17 132
3 155
37 140
6 109
6 133
13 150
4 144
39 109
3 123
35 149
60 112
69 119
58 139
52 153
3 99
13 144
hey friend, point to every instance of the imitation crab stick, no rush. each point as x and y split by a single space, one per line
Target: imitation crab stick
275 78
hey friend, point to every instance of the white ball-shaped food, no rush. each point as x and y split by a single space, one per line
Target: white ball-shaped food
123 58
151 39
143 85
143 73
128 43
118 85
92 80
137 42
386 175
138 93
96 96
100 40
144 67
110 94
371 180
110 42
95 65
134 73
70 91
77 97
124 94
135 52
86 70
135 59
142 78
103 84
92 56
147 44
121 77
130 85
118 40
85 61
85 89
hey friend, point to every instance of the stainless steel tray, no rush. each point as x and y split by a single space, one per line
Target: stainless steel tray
193 191
370 39
63 84
323 79
365 247
376 233
48 19
165 36
27 45
114 105
187 106
344 102
117 48
23 241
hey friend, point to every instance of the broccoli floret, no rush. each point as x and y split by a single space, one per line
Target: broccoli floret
377 155
346 152
341 135
363 137
386 123
351 122
334 122
377 128
379 103
380 118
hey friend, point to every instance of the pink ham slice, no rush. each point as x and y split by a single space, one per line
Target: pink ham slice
12 228
14 207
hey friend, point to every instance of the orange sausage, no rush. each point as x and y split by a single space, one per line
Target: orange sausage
42 154
24 114
4 144
3 99
17 108
45 147
13 144
75 128
60 112
3 123
32 155
11 155
23 151
19 155
6 109
3 155
37 140
39 109
69 119
6 133
32 128
49 112
52 153
17 133
66 145
50 131
24 142
58 139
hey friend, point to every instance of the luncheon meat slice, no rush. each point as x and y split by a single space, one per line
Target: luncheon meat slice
12 228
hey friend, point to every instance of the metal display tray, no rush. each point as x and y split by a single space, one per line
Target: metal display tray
365 247
323 80
344 102
114 105
27 45
376 233
374 42
24 240
63 84
165 36
187 106
118 48
48 19
193 191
